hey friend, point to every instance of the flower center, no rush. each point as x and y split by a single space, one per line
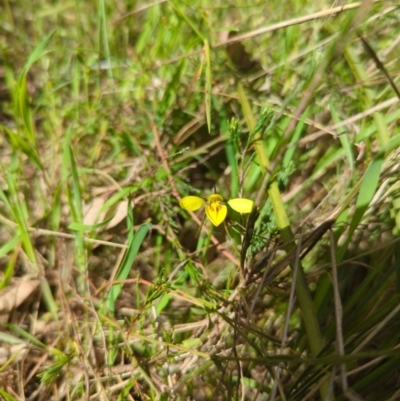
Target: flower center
215 206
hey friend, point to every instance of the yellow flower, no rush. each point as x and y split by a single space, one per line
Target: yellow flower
215 206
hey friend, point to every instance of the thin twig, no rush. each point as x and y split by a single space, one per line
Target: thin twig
338 312
339 317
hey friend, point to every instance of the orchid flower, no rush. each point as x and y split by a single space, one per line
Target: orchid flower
215 207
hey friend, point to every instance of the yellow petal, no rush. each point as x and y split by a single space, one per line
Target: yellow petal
216 213
241 205
215 198
191 203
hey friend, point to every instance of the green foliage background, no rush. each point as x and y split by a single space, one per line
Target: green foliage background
111 112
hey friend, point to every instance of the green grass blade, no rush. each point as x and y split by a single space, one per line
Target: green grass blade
208 84
343 137
74 197
26 335
23 109
189 21
9 270
133 247
6 396
37 53
287 158
48 298
302 290
19 144
10 245
76 209
103 42
232 161
171 90
18 209
368 187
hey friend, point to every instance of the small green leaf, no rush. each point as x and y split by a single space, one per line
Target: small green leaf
49 375
163 303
